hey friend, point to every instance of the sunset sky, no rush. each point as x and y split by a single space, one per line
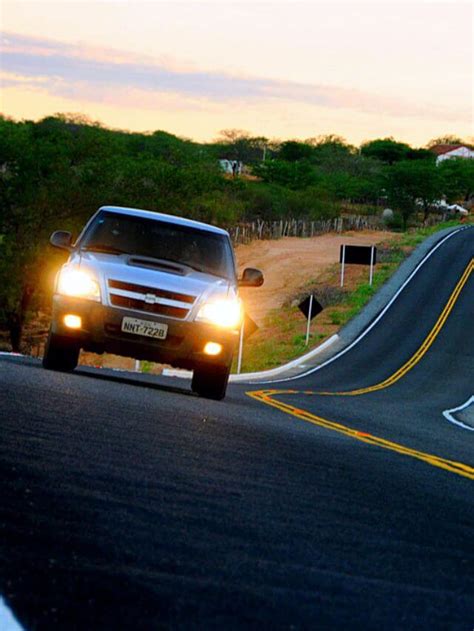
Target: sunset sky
283 69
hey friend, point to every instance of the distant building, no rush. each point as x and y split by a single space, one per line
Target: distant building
446 152
231 167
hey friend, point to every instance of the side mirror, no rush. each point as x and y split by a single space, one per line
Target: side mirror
61 239
251 278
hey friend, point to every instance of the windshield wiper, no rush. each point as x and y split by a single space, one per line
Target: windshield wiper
204 270
165 260
103 247
194 266
197 268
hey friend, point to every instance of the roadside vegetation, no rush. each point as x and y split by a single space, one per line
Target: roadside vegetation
54 173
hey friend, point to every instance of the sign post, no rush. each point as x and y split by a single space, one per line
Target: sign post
247 327
310 307
241 346
309 319
343 261
372 260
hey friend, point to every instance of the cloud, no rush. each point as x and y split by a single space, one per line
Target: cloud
78 71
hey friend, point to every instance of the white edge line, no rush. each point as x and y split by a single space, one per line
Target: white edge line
377 319
8 621
447 414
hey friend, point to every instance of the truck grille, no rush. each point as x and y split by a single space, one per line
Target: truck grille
150 299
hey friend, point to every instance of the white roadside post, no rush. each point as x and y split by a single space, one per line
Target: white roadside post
137 365
343 263
309 319
372 255
241 347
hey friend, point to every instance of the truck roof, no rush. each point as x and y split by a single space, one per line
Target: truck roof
149 214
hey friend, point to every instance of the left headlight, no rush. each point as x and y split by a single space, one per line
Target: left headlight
73 282
225 312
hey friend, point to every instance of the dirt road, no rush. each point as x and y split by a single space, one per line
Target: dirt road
289 263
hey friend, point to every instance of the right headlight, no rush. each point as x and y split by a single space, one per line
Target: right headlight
225 312
75 282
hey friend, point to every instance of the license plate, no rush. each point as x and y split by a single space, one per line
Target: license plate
145 327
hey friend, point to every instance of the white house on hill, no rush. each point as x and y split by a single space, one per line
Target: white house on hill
445 152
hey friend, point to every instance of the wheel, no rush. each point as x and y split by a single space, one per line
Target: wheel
210 381
60 353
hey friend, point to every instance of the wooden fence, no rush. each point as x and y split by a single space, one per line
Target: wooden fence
246 232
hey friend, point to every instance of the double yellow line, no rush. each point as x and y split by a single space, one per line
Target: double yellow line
268 397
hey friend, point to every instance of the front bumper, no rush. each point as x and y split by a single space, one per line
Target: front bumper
101 332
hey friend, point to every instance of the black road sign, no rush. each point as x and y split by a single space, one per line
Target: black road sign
305 305
249 326
358 254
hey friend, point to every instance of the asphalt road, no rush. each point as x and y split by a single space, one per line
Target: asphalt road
340 500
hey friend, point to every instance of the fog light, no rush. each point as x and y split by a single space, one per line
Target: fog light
213 348
72 321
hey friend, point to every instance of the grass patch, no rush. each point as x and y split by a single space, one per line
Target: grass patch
281 339
336 317
415 237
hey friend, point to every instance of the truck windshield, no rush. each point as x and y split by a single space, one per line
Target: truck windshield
114 233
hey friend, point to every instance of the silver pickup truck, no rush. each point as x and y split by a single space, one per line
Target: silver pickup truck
149 286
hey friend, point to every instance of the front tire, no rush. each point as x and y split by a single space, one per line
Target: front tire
60 353
210 381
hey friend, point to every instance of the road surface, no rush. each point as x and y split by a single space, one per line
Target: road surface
342 499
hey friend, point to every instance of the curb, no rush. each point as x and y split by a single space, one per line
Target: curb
299 362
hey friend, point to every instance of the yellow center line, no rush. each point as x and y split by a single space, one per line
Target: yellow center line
267 397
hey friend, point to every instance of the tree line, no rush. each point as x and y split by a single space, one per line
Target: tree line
55 172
